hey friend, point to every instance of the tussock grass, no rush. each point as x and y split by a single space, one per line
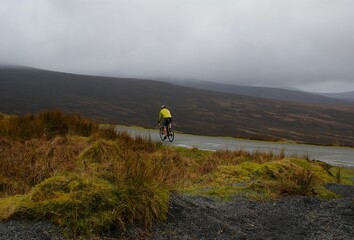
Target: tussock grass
85 184
227 157
269 180
27 163
89 179
45 124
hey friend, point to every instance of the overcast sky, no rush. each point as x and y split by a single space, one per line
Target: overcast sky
307 44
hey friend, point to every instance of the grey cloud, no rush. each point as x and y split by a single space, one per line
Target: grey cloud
307 44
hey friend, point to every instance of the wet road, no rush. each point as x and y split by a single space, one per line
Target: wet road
338 156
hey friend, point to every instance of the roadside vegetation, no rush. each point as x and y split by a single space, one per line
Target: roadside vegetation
88 179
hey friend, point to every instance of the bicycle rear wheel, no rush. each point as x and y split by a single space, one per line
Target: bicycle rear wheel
161 133
170 135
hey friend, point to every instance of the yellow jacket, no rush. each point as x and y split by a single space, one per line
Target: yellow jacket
164 113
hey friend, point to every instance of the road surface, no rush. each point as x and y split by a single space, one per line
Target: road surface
339 156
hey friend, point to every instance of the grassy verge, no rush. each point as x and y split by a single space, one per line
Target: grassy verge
88 179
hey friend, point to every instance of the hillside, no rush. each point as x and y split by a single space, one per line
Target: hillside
136 102
273 93
349 96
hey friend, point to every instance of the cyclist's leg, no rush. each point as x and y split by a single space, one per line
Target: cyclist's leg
169 124
165 123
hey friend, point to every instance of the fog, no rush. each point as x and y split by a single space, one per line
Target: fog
305 44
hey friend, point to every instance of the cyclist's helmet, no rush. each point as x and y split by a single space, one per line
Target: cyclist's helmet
163 106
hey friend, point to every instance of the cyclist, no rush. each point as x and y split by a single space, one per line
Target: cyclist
166 117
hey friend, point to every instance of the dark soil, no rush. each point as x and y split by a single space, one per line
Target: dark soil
293 217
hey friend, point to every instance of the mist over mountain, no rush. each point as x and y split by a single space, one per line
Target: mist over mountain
349 96
270 93
197 111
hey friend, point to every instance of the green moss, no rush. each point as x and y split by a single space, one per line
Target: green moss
244 172
223 192
267 180
2 115
343 175
300 162
10 205
324 193
261 190
86 205
73 201
194 153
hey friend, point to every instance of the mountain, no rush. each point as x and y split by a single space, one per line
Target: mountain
267 92
349 96
137 102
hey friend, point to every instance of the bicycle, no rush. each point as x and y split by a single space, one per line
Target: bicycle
169 131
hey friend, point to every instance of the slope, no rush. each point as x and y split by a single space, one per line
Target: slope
196 111
272 93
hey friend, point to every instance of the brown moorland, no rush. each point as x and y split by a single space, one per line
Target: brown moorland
136 102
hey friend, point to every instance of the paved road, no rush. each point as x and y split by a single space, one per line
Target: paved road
338 156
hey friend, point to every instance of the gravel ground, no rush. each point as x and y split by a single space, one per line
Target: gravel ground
206 218
43 230
287 218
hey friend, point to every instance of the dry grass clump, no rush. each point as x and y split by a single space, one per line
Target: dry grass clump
285 178
227 157
84 204
106 185
47 124
84 184
273 179
27 163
